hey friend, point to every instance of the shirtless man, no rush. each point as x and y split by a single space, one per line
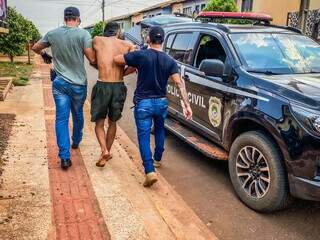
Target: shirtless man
109 94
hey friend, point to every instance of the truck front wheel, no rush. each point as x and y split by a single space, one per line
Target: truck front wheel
257 172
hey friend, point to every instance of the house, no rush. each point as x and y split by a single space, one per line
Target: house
278 9
187 7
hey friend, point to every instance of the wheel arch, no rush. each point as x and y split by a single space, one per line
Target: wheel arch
246 124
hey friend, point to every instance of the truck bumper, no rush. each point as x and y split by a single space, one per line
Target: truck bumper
304 188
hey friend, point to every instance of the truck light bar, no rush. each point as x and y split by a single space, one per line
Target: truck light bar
236 15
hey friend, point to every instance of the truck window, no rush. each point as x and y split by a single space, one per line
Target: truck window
169 43
180 49
209 48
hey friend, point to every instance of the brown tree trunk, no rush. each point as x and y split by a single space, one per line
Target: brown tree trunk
29 57
11 58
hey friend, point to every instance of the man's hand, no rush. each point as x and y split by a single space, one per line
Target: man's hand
188 112
183 93
94 65
46 58
129 70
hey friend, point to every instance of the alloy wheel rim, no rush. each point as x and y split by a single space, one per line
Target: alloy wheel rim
253 172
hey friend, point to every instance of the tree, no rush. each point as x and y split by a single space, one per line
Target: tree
98 29
224 6
33 32
221 6
21 32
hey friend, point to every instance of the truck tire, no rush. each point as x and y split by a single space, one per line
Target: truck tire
257 172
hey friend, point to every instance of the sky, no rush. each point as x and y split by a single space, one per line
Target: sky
48 14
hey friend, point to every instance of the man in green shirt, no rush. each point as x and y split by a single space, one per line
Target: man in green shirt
69 44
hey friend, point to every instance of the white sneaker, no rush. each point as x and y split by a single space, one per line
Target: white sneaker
156 164
151 178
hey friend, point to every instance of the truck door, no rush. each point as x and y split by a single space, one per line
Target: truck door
206 94
179 45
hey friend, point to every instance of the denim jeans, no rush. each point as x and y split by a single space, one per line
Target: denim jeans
147 111
68 97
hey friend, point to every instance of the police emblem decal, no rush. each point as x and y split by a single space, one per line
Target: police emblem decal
214 112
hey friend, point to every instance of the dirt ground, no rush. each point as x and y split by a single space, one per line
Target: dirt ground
6 123
25 208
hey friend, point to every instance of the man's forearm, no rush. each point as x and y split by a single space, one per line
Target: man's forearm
183 92
38 48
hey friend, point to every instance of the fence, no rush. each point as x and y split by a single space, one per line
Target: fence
309 22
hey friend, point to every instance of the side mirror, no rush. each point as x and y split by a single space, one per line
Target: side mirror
212 67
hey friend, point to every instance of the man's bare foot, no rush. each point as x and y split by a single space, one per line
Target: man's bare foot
104 158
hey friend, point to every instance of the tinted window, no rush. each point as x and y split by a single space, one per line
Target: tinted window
179 50
277 53
169 43
209 48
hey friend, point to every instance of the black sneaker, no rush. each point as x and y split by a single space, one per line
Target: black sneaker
75 146
65 164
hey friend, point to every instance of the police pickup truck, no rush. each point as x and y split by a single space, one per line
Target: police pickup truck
255 93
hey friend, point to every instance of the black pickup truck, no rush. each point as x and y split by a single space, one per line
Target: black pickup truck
255 93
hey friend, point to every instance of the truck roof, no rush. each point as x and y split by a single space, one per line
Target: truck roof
234 28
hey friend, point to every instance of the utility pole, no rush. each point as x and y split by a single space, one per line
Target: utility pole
103 10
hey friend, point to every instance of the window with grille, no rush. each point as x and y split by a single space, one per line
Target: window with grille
247 5
187 11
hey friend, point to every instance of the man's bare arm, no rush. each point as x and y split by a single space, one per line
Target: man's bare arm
180 83
38 47
132 47
90 55
119 60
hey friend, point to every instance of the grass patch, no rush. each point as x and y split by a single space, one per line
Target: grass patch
19 71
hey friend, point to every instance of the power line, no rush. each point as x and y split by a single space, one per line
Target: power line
87 10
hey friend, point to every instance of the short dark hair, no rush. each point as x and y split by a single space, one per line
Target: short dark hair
70 18
111 29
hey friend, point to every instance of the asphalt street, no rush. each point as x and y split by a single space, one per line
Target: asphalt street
204 184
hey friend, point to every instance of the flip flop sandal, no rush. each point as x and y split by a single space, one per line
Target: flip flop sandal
103 160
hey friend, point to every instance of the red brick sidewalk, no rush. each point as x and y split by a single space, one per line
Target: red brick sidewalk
75 210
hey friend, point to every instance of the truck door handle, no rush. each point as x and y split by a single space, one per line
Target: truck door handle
186 77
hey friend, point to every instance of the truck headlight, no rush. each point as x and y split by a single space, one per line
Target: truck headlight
310 119
316 124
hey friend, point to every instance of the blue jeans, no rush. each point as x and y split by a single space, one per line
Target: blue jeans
68 97
146 111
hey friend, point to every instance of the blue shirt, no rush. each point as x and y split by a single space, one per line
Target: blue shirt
67 46
154 69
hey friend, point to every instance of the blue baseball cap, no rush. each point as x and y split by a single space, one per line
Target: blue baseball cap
71 12
156 34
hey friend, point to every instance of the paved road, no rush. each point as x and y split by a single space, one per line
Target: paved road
204 184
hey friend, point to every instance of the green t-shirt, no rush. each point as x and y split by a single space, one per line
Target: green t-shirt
67 46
